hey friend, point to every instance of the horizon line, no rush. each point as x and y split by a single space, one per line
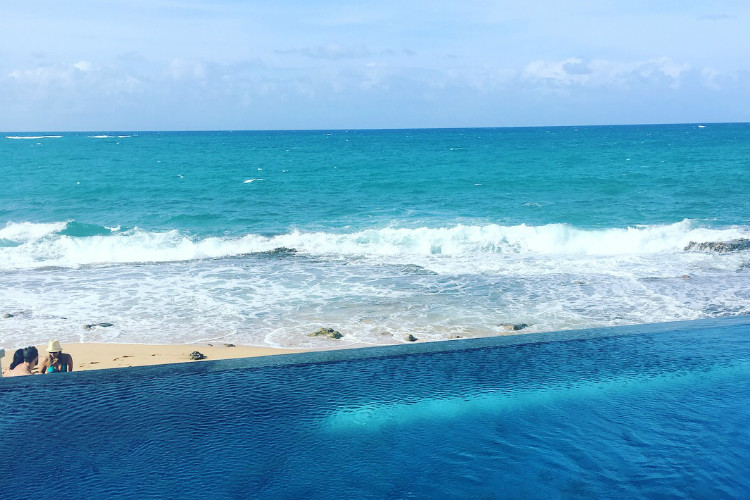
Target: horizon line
365 129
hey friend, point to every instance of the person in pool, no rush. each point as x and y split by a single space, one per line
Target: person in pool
56 362
29 361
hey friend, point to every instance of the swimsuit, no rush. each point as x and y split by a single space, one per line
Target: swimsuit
63 368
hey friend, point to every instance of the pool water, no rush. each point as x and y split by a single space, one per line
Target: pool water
655 411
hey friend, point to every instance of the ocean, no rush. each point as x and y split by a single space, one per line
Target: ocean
262 238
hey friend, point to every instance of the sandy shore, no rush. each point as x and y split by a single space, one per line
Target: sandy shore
93 356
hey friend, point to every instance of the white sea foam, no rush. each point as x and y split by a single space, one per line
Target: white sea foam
100 136
374 285
23 232
35 137
554 239
39 245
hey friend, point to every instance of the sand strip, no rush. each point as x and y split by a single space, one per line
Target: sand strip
94 356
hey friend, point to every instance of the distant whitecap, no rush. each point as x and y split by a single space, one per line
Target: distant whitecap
16 137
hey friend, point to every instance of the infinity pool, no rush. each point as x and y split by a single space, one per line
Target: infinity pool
657 411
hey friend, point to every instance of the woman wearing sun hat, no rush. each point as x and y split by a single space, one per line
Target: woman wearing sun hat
56 361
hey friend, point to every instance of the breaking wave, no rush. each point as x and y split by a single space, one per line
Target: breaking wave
69 244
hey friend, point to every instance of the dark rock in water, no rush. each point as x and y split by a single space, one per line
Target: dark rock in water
94 325
719 246
278 251
685 276
410 338
327 332
197 355
515 326
7 315
283 250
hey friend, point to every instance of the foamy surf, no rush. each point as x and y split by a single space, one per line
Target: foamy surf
377 234
376 286
71 244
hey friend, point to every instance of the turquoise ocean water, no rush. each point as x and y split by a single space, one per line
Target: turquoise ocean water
264 237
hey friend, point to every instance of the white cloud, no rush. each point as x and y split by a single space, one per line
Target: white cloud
710 77
253 93
575 71
182 69
42 75
54 74
84 66
81 79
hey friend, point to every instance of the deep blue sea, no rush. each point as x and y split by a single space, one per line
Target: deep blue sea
264 237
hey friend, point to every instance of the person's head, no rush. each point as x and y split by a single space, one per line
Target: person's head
17 358
54 349
31 355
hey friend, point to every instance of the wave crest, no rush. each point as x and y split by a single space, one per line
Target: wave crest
71 244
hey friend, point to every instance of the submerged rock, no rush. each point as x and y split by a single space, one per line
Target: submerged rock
197 355
327 332
719 246
281 251
514 326
94 325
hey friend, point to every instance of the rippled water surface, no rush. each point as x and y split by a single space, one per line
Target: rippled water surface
656 411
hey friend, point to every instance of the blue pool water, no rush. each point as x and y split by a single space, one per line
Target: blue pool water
652 411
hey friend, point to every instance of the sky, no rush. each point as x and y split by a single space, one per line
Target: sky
99 65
